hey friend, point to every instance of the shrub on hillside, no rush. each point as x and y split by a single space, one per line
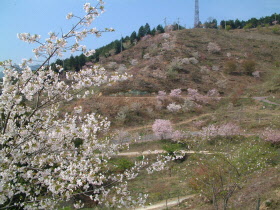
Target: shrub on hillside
248 26
249 67
230 67
276 30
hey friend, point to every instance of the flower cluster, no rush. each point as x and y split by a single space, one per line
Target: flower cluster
272 136
163 130
55 45
47 156
212 95
226 130
174 107
175 93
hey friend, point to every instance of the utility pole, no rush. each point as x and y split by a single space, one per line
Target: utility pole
196 14
165 22
121 43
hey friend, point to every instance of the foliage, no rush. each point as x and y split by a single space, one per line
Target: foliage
230 67
248 26
171 148
254 155
276 30
211 23
216 179
249 67
251 23
122 164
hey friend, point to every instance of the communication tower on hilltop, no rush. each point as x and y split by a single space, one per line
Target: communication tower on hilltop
196 14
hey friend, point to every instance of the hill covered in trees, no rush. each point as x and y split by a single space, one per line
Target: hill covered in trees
75 63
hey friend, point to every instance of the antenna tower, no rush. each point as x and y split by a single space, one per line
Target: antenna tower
196 14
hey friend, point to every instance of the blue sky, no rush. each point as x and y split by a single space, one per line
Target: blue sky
126 16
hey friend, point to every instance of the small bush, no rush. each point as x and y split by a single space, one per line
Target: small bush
172 73
248 26
230 67
213 47
228 27
276 30
249 67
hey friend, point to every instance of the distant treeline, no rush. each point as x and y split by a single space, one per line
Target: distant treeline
239 24
113 48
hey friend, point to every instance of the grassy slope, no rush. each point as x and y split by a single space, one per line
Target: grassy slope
160 72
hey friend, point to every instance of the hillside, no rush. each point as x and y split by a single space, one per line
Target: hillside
243 66
181 59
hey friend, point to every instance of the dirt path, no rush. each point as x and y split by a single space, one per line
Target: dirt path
264 99
170 202
175 124
131 154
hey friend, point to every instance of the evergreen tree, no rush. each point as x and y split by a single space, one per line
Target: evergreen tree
238 24
147 29
153 32
211 23
71 63
117 46
133 36
141 33
160 29
82 60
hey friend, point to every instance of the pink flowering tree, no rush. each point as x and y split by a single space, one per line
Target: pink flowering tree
194 95
271 136
45 158
174 107
176 93
225 130
162 128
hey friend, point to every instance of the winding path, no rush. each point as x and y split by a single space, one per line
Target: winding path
170 202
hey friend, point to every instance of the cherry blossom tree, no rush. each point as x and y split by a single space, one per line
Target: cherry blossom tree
162 128
46 158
